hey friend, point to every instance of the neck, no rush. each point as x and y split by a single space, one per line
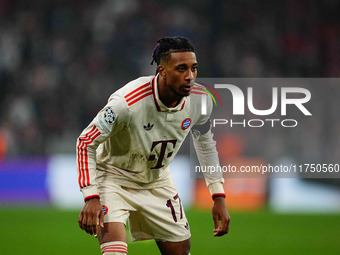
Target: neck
168 97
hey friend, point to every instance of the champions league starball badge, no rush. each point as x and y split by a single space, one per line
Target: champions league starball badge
109 116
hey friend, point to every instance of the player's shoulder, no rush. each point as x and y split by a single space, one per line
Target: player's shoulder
138 83
196 93
137 90
198 90
200 101
134 89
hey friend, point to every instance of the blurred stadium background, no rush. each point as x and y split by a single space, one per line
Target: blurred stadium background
59 62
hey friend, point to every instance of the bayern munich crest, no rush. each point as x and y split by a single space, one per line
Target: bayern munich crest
109 116
186 123
105 209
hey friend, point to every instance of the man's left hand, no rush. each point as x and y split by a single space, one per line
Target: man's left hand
221 217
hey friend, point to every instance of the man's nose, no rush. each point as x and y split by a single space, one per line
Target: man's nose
190 75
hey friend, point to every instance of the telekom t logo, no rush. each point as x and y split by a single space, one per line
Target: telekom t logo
238 100
164 144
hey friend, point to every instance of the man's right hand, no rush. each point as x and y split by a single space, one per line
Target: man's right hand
89 216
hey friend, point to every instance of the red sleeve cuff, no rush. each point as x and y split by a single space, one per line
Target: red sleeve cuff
89 197
218 195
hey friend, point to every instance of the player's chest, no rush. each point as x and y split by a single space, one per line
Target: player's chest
161 125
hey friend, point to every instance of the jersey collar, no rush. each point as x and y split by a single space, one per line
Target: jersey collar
159 105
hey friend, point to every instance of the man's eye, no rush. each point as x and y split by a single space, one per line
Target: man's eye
193 69
181 69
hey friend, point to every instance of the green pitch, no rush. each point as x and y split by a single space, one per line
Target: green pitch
51 231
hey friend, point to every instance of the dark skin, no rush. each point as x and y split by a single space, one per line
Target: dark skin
175 81
176 78
89 217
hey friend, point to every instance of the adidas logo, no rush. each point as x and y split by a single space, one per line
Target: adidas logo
148 127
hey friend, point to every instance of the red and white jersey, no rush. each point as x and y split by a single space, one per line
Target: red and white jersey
135 137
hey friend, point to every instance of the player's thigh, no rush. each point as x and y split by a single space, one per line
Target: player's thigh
174 248
160 216
116 212
112 231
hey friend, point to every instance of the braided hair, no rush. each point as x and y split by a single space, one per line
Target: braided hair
168 45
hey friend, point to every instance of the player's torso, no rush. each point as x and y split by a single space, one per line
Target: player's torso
159 135
150 141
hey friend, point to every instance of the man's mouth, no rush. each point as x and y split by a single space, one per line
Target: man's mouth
187 88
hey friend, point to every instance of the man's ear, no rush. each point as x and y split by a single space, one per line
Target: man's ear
161 70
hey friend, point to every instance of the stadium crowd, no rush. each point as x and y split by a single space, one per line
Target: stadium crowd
60 60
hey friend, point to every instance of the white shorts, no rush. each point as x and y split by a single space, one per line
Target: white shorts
152 213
